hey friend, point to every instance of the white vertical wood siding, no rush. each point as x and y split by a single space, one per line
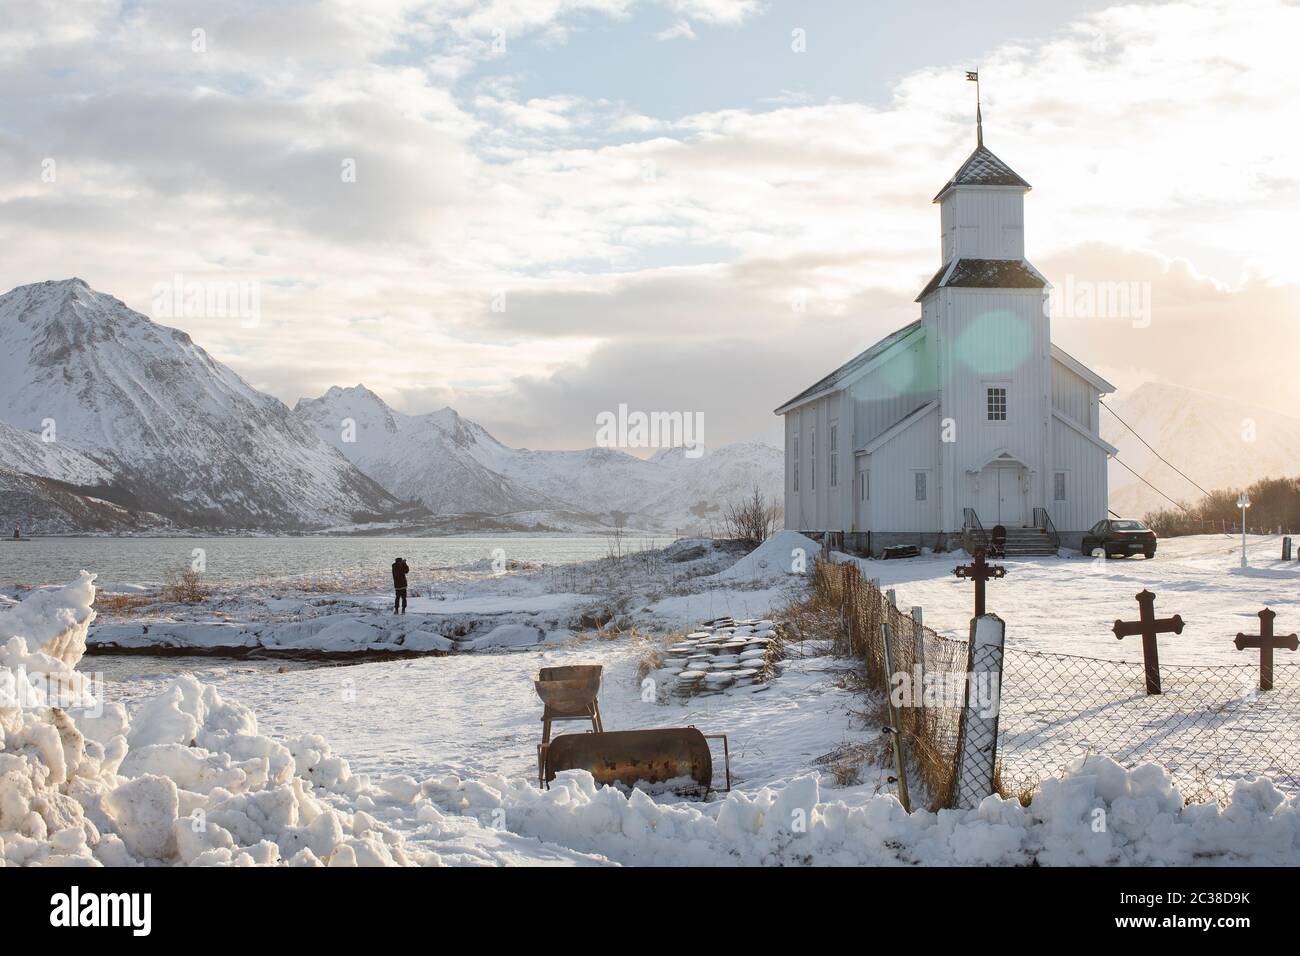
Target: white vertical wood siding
979 332
1072 395
1085 482
887 395
817 506
893 490
983 223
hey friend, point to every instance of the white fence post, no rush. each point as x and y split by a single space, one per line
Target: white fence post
895 720
977 742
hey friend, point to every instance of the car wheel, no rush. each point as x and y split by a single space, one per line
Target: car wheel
1150 554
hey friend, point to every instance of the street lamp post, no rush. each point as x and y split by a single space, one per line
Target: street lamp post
1243 502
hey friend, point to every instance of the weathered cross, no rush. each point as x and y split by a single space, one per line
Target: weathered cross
979 572
1266 642
1149 626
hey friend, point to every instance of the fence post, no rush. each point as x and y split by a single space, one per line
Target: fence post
918 637
895 723
893 597
977 739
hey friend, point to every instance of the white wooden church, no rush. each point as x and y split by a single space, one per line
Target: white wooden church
967 418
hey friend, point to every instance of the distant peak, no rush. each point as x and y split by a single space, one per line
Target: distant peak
357 391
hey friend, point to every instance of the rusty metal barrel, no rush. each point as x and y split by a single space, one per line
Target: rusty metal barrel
629 757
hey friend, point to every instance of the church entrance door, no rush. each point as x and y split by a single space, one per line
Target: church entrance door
1001 498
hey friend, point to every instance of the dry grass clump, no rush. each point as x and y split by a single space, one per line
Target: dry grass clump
185 586
814 615
122 604
650 652
846 762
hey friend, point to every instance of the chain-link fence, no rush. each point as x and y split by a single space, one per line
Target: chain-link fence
930 721
1210 727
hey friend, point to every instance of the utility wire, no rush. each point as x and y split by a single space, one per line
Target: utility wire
1177 504
1153 451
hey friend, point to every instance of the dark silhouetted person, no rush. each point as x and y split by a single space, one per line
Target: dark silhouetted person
400 570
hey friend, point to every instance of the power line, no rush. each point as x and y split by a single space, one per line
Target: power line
1178 504
1153 451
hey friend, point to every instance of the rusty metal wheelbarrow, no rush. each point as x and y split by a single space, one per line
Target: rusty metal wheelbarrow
567 693
665 757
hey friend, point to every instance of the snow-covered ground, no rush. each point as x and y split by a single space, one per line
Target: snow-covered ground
433 759
1068 605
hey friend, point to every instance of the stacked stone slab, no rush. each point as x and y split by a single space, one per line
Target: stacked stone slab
723 654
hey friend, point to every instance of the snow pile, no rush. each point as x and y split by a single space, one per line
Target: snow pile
1097 814
510 635
786 552
54 621
188 781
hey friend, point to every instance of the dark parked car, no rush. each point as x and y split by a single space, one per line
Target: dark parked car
1120 537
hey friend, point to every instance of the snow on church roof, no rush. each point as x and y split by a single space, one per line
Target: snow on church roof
982 168
854 364
985 274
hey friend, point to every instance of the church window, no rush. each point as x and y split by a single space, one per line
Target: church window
996 403
835 455
812 460
920 479
1058 486
794 464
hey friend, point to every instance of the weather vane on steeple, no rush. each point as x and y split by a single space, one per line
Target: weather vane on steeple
974 77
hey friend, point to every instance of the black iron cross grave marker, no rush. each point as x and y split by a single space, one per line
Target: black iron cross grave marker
979 572
1266 642
1149 626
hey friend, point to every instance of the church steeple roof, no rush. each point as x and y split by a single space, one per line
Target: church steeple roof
982 168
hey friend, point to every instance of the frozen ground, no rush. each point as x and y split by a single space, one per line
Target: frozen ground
475 606
441 750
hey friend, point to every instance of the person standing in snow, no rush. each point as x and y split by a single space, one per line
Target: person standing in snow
400 570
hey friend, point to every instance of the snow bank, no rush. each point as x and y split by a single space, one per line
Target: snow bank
188 781
326 634
786 552
509 635
1097 814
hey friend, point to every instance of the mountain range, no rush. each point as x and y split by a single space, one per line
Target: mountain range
1216 441
112 422
454 466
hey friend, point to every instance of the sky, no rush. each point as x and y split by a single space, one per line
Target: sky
537 210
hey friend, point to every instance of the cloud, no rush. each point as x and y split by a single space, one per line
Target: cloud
633 247
679 30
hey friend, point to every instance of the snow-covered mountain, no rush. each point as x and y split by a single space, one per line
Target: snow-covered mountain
1217 441
25 452
454 466
139 409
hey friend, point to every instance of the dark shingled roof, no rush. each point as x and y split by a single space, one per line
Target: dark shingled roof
986 274
855 363
982 168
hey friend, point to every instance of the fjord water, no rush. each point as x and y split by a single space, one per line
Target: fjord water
231 560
